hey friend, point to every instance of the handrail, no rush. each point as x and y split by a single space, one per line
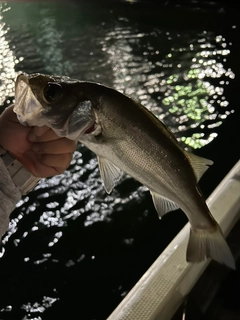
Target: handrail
161 290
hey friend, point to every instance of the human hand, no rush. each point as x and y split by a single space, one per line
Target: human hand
39 149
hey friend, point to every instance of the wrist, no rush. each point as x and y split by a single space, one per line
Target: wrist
21 177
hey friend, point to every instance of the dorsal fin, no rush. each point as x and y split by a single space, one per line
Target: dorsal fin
199 164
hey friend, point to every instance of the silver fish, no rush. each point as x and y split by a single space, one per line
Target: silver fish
126 137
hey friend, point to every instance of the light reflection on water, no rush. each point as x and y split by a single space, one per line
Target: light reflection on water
7 61
180 75
175 86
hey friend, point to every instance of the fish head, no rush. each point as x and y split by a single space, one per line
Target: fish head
54 101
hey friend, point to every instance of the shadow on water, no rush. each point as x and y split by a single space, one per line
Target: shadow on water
71 249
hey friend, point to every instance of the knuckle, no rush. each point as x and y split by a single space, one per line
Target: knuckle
60 170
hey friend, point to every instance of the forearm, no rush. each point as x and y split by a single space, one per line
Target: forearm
9 196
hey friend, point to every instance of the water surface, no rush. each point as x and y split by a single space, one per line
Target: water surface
72 250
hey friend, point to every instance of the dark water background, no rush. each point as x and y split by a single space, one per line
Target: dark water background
72 251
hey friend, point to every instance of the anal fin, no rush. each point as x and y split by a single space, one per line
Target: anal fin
162 204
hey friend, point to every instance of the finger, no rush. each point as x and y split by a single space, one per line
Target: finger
34 164
39 131
59 161
60 146
10 114
48 135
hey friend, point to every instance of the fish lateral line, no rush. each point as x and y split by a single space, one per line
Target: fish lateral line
100 123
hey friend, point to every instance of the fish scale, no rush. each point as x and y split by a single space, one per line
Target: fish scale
126 137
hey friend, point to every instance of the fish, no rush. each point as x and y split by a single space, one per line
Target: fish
126 137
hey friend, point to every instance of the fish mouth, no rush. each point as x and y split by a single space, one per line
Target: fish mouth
77 120
27 107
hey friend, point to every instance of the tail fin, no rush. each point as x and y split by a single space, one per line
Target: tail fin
204 244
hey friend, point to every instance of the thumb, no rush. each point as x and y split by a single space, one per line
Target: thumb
40 131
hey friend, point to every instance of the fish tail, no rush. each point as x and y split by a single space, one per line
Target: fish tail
204 243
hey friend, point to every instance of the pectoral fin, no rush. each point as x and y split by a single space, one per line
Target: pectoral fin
110 174
163 205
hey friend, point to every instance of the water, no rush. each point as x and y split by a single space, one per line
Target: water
72 250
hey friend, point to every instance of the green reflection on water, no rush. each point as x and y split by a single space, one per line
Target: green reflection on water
197 92
191 101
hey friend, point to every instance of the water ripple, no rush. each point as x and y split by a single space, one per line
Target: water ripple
69 233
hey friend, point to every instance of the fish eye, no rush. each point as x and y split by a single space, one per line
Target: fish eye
52 92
